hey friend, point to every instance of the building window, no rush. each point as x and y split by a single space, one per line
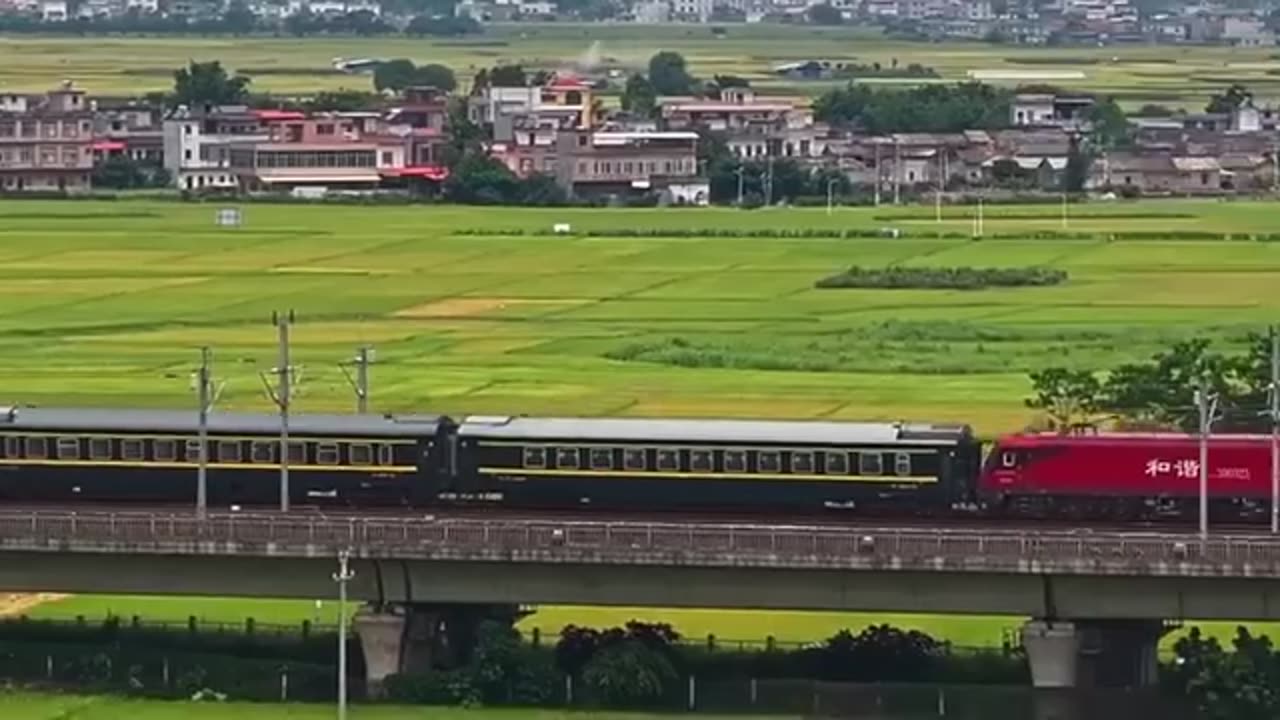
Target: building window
633 459
601 458
387 157
535 457
186 154
68 448
324 129
132 449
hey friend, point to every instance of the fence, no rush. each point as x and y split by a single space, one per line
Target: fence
963 548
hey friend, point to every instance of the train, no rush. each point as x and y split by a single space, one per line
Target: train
143 456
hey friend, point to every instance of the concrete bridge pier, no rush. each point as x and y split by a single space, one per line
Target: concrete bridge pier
398 638
1069 655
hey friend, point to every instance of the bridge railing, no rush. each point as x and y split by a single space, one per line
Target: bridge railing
945 547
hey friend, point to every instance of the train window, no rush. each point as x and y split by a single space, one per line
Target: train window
132 449
633 459
567 458
36 448
801 461
1008 459
297 452
735 461
68 448
360 454
837 462
100 448
769 461
386 454
700 461
326 453
228 451
870 463
534 457
12 447
601 458
164 450
902 464
192 450
262 451
668 460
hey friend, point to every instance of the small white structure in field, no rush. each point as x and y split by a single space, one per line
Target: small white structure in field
562 228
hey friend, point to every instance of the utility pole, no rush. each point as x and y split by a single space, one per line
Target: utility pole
897 171
282 395
831 184
740 170
1275 429
768 184
360 382
206 397
344 575
879 175
1064 208
1206 405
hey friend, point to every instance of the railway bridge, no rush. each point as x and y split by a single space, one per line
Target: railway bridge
1098 600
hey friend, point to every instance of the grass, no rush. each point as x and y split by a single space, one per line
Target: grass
1136 75
41 706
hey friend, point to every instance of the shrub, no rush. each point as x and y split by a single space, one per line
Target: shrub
957 278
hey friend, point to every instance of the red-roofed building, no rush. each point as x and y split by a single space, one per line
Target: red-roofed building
46 141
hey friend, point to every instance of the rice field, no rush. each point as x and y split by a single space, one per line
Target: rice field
1136 75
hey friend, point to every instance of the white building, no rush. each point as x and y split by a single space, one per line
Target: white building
196 145
692 10
53 10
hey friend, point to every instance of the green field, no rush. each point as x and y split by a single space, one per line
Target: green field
35 706
1174 76
106 303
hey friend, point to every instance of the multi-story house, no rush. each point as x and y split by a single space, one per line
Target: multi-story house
130 129
594 163
196 143
329 151
46 141
526 120
752 127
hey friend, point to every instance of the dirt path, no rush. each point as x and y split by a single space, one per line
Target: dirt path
15 604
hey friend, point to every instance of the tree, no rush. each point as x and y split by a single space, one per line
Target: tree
1111 129
628 674
436 76
208 84
1076 174
1240 685
638 96
239 19
668 75
341 101
1071 398
398 74
1225 102
121 172
508 76
481 180
824 14
929 108
394 75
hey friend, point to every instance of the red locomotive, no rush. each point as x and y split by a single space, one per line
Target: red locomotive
1127 476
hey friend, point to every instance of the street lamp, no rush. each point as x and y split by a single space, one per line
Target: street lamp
831 184
344 575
